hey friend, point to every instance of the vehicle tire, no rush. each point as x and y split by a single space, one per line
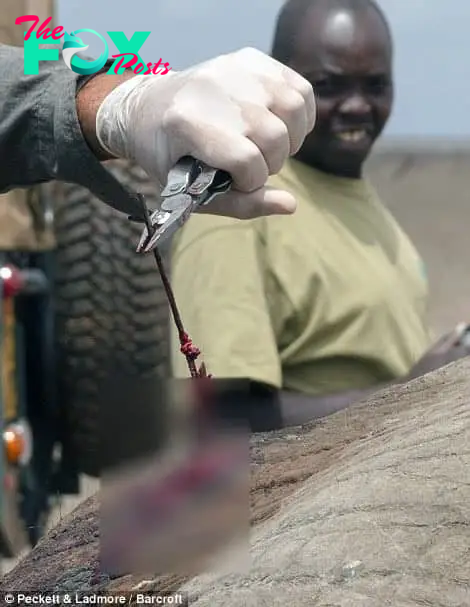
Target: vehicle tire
111 309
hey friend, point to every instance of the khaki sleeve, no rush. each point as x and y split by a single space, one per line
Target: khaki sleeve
219 289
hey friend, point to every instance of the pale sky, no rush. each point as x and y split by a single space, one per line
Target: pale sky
432 46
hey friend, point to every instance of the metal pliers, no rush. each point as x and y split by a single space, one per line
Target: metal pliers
191 184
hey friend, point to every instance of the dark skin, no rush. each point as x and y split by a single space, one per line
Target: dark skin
347 57
89 100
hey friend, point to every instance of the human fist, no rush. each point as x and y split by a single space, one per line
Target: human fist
243 112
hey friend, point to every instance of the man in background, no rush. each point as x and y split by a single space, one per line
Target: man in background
321 308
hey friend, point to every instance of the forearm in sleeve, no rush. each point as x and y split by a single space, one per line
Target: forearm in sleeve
41 138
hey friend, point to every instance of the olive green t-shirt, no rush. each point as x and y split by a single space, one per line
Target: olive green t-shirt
331 298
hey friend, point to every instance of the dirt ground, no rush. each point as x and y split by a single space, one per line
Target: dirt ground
429 192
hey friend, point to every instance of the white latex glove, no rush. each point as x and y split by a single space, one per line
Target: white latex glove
242 112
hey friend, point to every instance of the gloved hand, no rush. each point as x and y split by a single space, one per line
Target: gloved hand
242 112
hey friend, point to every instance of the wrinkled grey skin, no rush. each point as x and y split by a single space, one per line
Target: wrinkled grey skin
387 524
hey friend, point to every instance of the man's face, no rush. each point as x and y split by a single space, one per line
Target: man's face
348 60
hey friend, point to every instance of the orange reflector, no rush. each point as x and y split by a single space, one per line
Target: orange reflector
15 445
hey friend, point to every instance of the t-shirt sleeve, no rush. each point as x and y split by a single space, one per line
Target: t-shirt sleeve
218 282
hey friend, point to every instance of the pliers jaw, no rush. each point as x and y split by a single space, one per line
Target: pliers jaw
190 184
163 224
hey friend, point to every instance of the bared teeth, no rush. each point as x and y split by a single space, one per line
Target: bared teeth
352 135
